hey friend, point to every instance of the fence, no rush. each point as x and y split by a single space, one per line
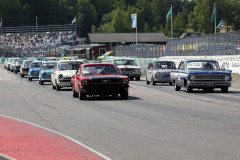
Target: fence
150 51
205 45
38 29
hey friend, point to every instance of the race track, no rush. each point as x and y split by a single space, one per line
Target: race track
155 123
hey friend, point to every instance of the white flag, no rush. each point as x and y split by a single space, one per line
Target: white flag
74 20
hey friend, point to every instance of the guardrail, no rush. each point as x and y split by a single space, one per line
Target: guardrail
204 45
39 29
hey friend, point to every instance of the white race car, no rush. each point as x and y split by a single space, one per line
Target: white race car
128 68
63 72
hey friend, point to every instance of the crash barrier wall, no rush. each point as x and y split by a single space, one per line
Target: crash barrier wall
226 62
39 29
204 45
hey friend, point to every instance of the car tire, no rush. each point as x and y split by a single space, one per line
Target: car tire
153 82
224 89
189 89
58 88
75 94
170 83
53 87
81 95
131 78
30 78
40 82
176 87
137 78
21 75
15 72
124 95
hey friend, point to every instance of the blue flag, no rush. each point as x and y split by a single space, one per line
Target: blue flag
169 13
134 20
220 23
213 13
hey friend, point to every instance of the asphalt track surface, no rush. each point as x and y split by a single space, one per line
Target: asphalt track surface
155 123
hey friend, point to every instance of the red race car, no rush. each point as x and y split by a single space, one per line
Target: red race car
101 79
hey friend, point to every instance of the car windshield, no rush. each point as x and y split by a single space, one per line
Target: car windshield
69 65
47 66
100 69
203 65
11 60
124 62
26 64
19 62
36 65
164 65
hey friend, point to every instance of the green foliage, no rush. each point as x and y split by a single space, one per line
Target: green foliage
115 15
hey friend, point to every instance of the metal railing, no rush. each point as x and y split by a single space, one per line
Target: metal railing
150 51
39 29
205 45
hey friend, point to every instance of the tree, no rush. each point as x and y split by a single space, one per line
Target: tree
86 17
200 18
179 25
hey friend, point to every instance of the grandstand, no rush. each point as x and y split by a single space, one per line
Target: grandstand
36 41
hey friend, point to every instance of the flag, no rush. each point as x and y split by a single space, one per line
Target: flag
134 20
213 13
169 13
74 20
220 23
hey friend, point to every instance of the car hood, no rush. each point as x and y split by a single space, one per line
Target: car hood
47 70
127 66
67 73
91 77
35 69
208 72
163 70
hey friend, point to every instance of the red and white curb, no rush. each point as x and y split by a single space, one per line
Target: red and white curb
24 140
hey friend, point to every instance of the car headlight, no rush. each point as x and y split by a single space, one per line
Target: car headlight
125 81
60 76
192 77
84 82
227 78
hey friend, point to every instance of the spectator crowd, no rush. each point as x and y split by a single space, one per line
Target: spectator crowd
28 41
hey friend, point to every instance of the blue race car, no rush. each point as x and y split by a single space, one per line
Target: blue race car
45 72
201 74
34 69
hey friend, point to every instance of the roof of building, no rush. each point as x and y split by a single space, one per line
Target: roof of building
127 37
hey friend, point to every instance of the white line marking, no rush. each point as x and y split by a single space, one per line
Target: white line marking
89 148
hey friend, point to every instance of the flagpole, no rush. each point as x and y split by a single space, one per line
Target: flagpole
1 26
36 24
171 23
136 29
76 25
215 19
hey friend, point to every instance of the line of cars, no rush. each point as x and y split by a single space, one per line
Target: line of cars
85 78
112 77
